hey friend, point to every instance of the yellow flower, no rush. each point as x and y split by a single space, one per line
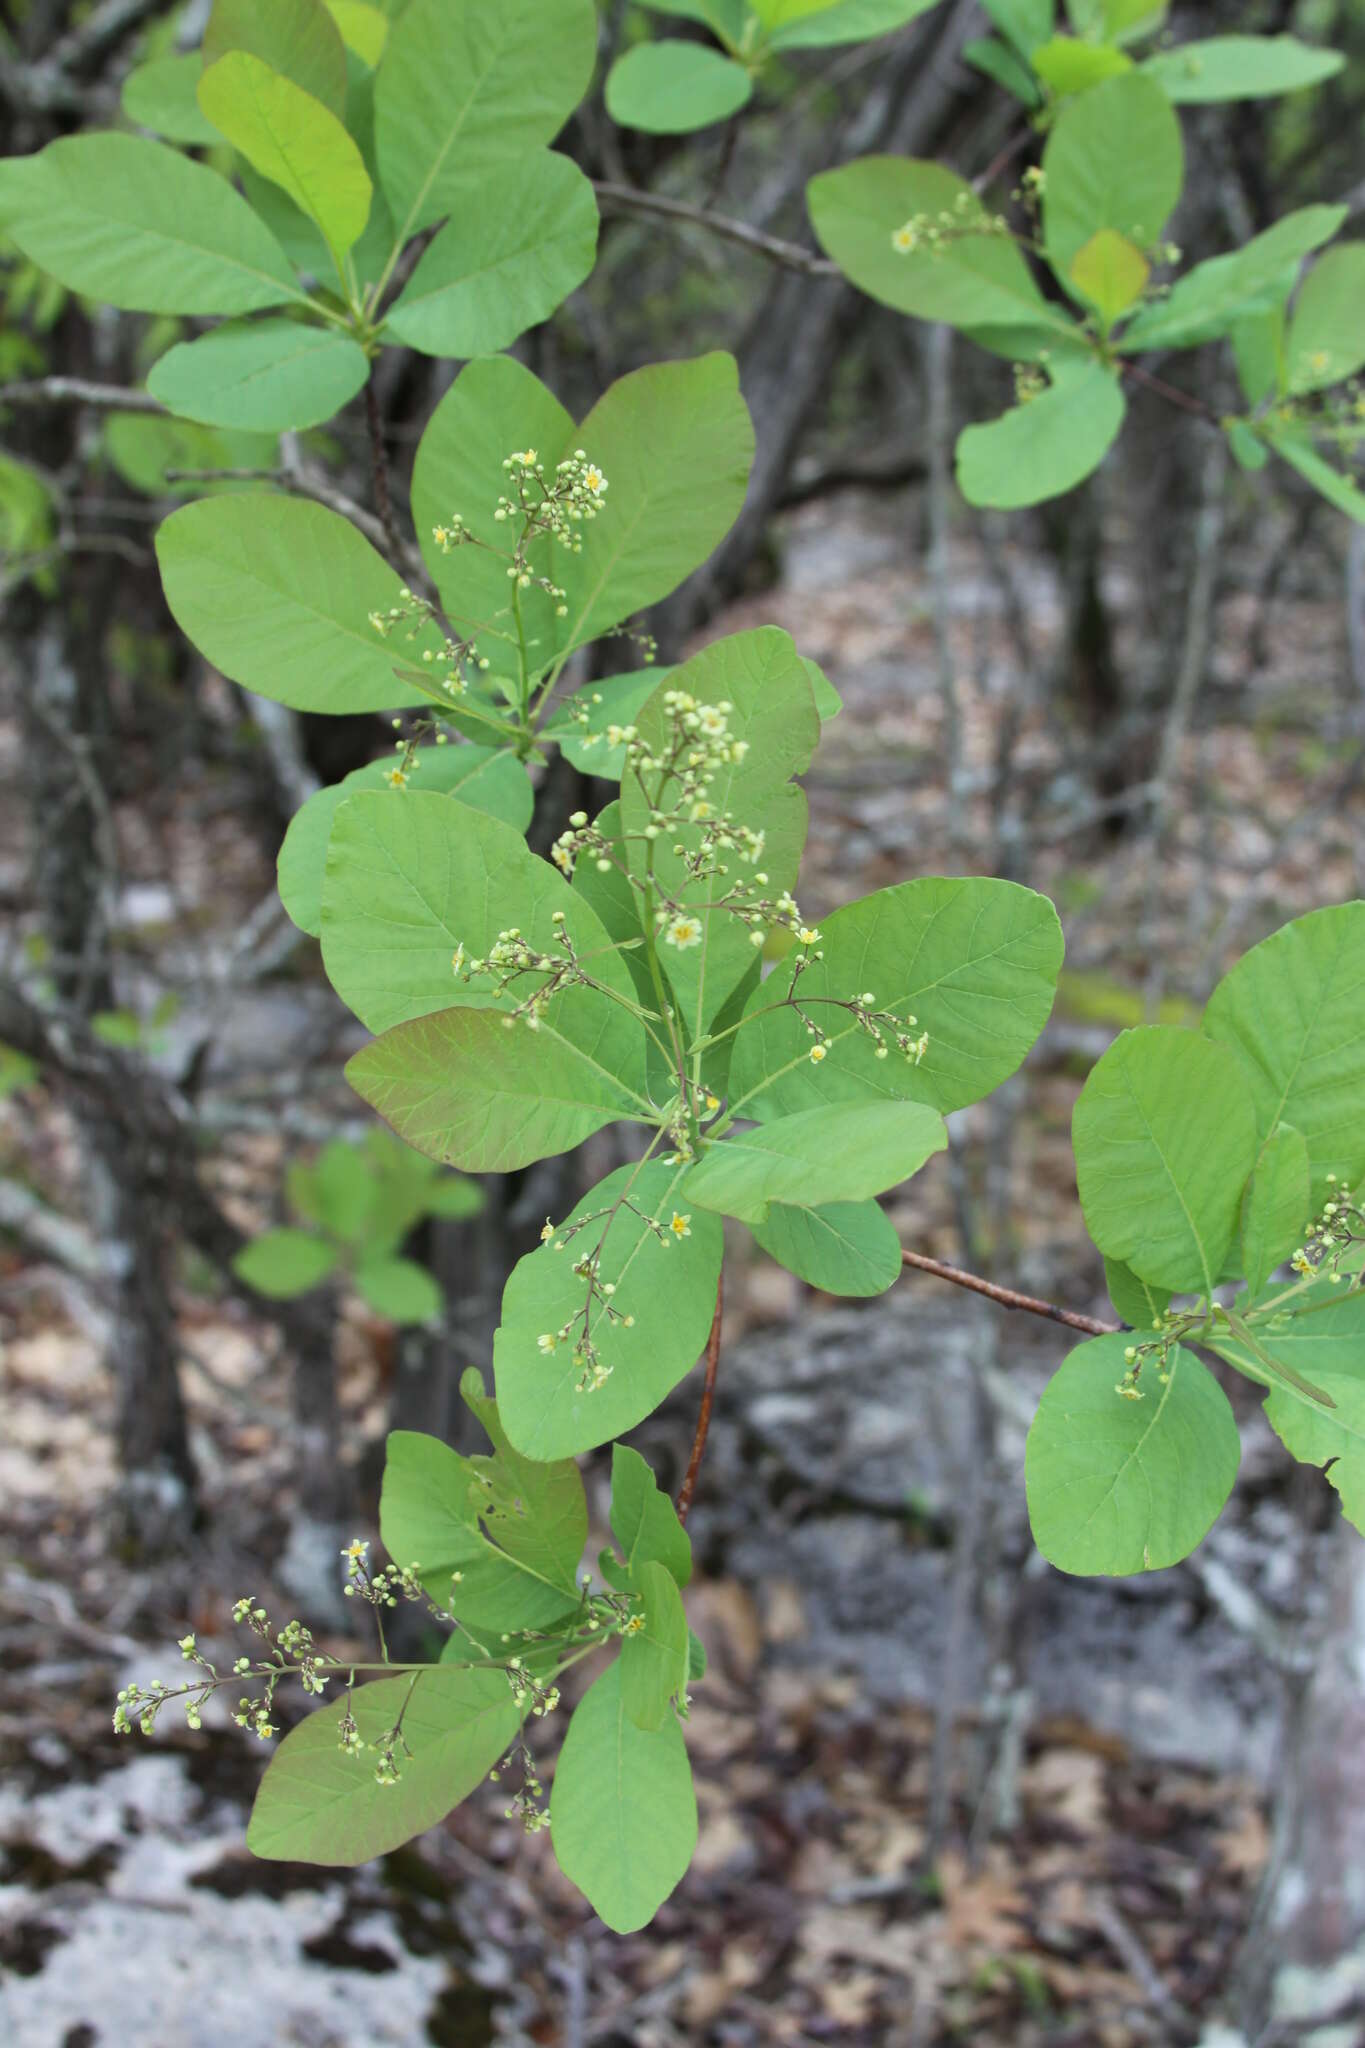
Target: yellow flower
683 932
681 1225
817 1053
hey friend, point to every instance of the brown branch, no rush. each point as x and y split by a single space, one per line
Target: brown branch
1170 392
1008 1297
78 391
708 1395
790 255
379 469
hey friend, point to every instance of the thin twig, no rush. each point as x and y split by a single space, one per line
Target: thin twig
1170 392
708 1395
790 255
78 391
1008 1297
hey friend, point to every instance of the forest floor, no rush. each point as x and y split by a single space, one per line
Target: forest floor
869 1601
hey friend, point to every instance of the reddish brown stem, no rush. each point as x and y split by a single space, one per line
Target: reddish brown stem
708 1395
1007 1297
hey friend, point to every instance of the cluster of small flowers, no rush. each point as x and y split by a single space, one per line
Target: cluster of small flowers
382 1588
574 496
1339 1227
413 613
291 1654
593 1369
534 1698
527 1806
932 232
387 1749
1169 1330
879 1025
512 955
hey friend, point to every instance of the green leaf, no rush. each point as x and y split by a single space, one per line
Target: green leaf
1128 21
766 683
1323 1348
1026 23
1164 1139
1047 445
134 224
996 60
293 140
776 14
675 443
341 1191
483 777
671 88
1115 1485
1277 1205
399 1289
974 280
513 1531
1327 332
668 1286
454 1198
517 249
1290 1010
272 376
1248 450
283 1263
849 21
297 38
276 593
613 701
843 1153
160 95
317 1804
145 447
1258 348
1295 449
623 1814
846 1248
464 1089
654 1657
364 29
26 509
1111 272
409 878
462 89
975 962
1203 302
1092 184
1139 1303
1068 67
725 17
1240 68
643 1519
828 702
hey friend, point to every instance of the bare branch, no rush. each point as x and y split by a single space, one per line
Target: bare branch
1009 1297
789 255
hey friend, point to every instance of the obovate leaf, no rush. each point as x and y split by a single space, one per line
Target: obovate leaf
337 1191
317 1804
623 1814
161 95
1117 1485
134 224
667 1284
1094 183
297 38
461 89
293 140
517 249
644 1520
364 29
1025 23
1276 1206
974 279
283 1263
767 685
1047 445
843 1153
974 961
276 592
274 375
1324 1348
1203 302
1290 1011
145 447
654 1656
411 876
672 88
846 21
996 60
483 777
1327 332
1164 1138
399 1289
1139 1303
846 1248
1068 66
1111 272
1295 448
1239 68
